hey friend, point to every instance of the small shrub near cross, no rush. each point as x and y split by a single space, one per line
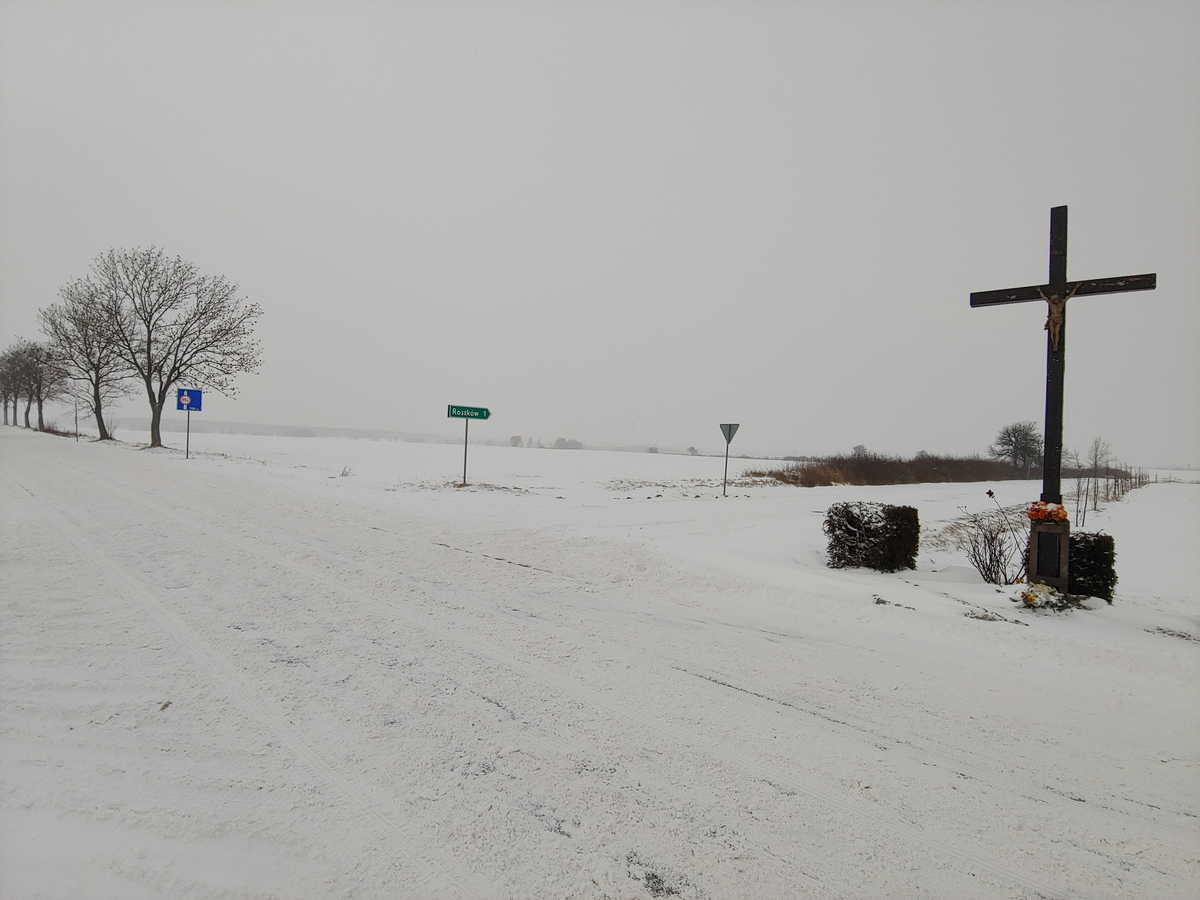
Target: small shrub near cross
1093 565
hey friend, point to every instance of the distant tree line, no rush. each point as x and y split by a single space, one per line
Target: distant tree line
559 443
28 372
1016 453
139 320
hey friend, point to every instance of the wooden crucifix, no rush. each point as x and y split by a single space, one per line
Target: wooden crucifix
1056 294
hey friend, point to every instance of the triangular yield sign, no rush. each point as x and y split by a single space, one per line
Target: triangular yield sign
729 431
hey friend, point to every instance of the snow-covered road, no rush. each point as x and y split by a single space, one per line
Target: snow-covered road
237 676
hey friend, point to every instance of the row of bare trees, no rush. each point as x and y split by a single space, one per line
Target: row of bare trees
139 320
27 372
1100 477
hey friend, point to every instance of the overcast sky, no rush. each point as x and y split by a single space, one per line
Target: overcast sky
629 223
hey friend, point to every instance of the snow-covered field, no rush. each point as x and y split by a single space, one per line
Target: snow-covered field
249 675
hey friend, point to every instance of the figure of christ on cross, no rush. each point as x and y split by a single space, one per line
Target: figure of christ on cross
1056 294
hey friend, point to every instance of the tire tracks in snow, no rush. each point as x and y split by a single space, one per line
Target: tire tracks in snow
483 651
869 817
258 708
992 771
476 649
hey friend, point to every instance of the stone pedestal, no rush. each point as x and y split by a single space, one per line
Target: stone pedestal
1049 553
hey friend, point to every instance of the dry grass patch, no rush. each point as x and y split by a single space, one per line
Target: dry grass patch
875 468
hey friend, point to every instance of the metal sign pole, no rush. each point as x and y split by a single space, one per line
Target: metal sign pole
77 421
467 413
728 430
187 399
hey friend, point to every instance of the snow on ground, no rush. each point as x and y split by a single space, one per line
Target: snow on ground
249 675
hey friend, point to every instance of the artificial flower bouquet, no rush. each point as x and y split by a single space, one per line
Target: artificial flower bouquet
1047 512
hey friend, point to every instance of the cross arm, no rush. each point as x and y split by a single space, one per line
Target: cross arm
1121 284
1117 285
1008 295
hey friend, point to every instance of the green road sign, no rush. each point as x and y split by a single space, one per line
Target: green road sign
468 412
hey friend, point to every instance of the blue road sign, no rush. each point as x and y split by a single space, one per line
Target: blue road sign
190 400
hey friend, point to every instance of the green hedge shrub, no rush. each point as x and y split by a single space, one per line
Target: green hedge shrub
1092 567
873 535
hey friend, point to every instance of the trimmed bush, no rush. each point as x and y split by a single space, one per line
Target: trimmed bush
874 535
1093 571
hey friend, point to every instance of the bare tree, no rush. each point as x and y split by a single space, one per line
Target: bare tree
1082 485
38 377
47 379
16 379
84 349
1020 444
9 385
25 380
12 371
1098 458
16 388
169 324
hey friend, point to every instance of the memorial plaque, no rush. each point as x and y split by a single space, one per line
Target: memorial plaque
1048 562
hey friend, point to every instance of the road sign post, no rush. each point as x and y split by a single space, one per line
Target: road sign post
77 421
188 400
467 413
729 431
